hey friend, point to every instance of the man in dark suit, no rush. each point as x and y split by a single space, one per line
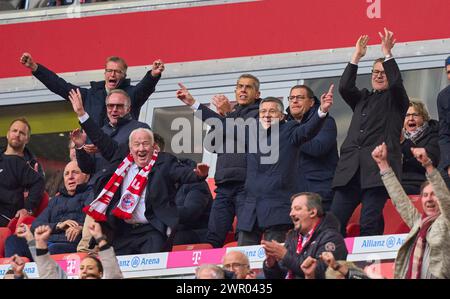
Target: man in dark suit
319 156
378 117
141 210
231 165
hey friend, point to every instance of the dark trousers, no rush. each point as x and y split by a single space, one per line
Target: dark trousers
223 211
16 245
276 232
348 197
138 239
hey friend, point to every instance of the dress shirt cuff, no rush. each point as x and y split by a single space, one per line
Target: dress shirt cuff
195 106
321 114
83 118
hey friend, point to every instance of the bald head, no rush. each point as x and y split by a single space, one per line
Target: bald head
73 176
237 262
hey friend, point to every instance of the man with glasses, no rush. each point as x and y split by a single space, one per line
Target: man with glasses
443 104
94 97
319 156
238 263
231 166
378 117
120 125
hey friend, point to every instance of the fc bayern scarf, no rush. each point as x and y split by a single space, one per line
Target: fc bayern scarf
129 199
300 245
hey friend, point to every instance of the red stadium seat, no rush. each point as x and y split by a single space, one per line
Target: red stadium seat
5 232
212 186
184 247
7 260
231 244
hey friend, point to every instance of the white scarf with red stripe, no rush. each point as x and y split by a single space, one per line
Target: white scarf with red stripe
129 199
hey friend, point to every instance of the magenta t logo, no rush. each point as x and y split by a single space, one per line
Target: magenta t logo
196 256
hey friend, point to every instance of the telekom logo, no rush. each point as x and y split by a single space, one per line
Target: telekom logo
196 256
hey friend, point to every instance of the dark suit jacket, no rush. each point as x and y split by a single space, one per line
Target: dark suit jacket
377 117
163 181
270 186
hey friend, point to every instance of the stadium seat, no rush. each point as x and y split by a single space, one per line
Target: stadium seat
231 244
212 186
7 260
231 235
5 232
184 247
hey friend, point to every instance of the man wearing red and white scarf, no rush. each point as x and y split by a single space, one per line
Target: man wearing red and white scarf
315 231
135 198
424 254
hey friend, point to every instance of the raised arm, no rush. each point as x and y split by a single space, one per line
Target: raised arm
106 253
106 145
401 201
393 74
51 80
347 85
146 87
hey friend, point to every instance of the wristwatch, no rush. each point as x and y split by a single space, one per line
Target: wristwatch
30 212
387 56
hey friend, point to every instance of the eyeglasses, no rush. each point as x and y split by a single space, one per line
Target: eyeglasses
415 115
117 106
113 71
297 98
375 73
233 266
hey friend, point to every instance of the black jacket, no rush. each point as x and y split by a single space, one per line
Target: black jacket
64 207
96 164
443 105
194 203
231 167
16 176
94 97
269 186
325 238
30 158
377 117
413 172
318 157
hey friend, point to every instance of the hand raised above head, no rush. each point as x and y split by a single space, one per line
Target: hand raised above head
387 42
184 95
360 48
157 68
77 102
28 62
326 100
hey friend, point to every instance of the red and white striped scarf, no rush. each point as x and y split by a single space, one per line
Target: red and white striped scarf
129 199
416 258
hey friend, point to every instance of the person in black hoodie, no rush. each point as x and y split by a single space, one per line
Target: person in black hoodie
94 97
319 156
63 214
315 232
231 167
418 131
